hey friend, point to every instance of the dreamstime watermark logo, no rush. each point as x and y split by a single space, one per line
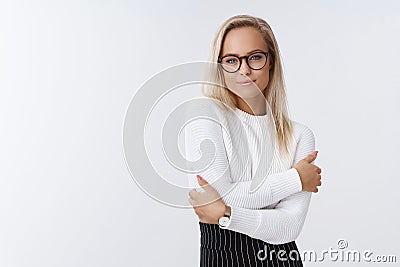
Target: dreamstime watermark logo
342 243
339 254
142 105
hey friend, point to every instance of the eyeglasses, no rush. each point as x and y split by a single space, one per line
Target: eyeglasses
255 61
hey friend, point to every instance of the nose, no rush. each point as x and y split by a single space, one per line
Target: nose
244 68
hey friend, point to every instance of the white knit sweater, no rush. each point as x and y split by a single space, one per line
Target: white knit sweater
244 151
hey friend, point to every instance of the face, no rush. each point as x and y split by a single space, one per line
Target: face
242 42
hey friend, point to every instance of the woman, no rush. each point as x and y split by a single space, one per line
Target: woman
257 190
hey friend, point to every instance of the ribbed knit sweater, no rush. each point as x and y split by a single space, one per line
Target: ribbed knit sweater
247 169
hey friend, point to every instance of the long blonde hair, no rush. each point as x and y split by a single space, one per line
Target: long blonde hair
275 92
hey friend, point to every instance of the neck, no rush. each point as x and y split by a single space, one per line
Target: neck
254 106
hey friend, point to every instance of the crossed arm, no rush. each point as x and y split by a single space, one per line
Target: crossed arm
275 186
279 225
285 222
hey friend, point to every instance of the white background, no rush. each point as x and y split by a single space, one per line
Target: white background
68 70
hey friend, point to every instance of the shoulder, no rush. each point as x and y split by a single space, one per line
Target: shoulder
216 110
206 105
205 115
217 106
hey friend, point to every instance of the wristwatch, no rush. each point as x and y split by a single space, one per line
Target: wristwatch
224 220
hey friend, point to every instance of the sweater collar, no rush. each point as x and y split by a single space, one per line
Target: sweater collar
249 117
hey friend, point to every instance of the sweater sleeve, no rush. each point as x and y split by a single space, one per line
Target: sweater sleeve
200 150
285 222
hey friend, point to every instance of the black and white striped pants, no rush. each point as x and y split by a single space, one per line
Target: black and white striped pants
222 247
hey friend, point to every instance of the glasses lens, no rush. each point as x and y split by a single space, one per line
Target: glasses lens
230 63
257 61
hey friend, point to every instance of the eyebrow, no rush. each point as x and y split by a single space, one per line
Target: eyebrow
231 54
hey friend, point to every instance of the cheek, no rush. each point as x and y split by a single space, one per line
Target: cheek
230 80
262 80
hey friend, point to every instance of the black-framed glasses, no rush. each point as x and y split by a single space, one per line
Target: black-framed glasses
256 61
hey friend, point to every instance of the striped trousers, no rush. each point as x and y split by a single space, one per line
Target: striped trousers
222 247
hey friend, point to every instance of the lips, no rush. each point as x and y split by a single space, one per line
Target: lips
246 82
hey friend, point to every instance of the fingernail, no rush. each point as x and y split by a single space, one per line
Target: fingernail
315 153
198 177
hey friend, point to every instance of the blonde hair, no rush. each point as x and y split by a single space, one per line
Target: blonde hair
275 92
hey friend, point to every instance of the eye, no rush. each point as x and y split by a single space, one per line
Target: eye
256 57
230 60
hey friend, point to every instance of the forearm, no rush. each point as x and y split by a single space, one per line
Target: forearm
275 187
276 226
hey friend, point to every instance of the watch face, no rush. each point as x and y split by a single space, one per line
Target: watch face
223 221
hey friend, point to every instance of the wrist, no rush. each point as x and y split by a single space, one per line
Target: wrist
301 180
228 211
224 220
225 212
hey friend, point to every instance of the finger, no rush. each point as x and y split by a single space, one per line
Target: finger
190 201
193 194
202 182
319 170
315 190
310 158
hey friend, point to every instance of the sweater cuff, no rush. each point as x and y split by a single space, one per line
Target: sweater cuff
244 220
286 184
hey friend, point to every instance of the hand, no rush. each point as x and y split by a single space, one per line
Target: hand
309 173
208 205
